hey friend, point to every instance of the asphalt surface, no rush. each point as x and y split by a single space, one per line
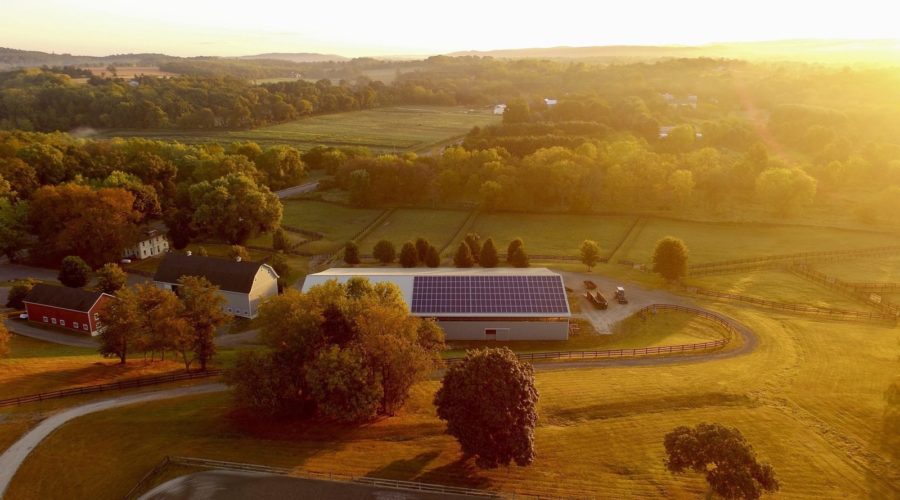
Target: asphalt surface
299 189
231 485
12 458
20 327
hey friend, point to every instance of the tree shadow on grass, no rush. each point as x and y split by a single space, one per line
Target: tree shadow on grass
405 469
461 472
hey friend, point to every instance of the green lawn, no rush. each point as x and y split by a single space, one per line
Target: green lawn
880 269
388 129
810 399
709 242
778 286
338 223
552 234
437 226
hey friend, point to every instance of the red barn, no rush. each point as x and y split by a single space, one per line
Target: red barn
64 307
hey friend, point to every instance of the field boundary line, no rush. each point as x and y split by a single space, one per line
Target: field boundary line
726 266
463 228
628 234
830 313
803 271
111 386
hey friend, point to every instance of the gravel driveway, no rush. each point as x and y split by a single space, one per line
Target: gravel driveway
638 297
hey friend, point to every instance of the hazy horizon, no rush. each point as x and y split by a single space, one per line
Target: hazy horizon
404 28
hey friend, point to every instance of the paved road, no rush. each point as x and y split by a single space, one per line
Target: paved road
48 335
295 190
12 458
11 272
231 485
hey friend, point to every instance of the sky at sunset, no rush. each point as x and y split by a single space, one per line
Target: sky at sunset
358 28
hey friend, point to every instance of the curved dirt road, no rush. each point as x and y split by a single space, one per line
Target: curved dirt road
12 458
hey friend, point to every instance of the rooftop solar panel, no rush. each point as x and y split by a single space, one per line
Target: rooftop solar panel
488 295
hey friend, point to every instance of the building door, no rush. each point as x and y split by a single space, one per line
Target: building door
490 334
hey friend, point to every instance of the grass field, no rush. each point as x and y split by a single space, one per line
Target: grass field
35 366
437 226
778 286
389 129
710 242
338 223
881 269
810 399
552 234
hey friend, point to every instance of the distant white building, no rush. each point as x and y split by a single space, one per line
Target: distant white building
675 102
151 242
550 102
500 109
664 132
475 304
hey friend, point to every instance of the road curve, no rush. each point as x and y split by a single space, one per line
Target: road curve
12 458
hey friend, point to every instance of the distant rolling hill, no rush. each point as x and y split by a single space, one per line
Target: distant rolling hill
878 51
298 57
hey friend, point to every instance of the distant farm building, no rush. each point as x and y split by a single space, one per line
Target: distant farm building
550 102
245 285
664 132
475 304
673 101
151 242
64 307
500 109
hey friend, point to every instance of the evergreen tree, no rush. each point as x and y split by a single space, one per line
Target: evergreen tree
463 257
432 257
511 249
488 256
520 258
351 253
409 256
422 248
384 252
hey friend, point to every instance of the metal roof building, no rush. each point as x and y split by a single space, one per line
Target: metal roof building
475 303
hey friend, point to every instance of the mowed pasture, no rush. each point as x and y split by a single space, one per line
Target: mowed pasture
880 269
715 241
338 223
810 399
383 130
437 226
551 234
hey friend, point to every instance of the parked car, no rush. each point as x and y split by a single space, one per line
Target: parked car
620 295
590 285
23 316
597 299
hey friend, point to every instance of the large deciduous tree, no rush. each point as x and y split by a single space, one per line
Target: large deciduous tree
111 278
202 310
724 455
74 272
72 219
18 292
234 208
785 190
281 167
670 258
489 403
14 234
590 253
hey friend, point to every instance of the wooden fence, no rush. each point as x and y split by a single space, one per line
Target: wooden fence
112 386
202 463
797 308
845 288
875 286
725 266
639 351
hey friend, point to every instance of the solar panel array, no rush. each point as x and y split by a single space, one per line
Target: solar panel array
488 295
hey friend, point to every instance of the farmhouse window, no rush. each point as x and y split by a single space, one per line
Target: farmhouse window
62 322
45 319
84 327
75 325
53 320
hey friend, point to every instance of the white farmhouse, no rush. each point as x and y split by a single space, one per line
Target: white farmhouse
500 109
151 242
245 285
